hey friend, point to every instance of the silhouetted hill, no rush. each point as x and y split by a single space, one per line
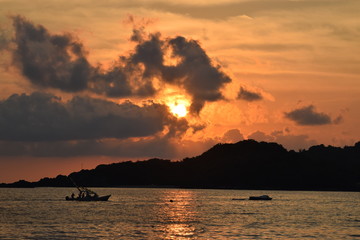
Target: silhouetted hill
244 165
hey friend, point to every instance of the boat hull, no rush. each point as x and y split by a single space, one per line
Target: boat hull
91 199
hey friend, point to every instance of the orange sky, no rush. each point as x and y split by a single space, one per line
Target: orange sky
293 66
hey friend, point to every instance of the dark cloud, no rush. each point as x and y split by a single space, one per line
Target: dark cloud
196 73
43 117
4 39
59 61
56 61
247 95
308 116
150 54
198 127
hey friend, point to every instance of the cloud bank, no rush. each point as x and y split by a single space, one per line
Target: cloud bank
285 138
60 61
41 124
44 117
232 136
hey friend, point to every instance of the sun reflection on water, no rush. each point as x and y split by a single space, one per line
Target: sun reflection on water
179 214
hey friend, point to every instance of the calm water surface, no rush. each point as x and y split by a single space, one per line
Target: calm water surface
42 213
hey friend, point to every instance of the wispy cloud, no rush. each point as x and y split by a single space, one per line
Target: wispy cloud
249 96
226 9
274 47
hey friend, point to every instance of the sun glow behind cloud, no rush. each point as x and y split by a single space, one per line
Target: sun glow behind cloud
299 59
178 109
176 99
178 104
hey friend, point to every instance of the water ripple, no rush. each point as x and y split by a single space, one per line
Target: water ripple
191 214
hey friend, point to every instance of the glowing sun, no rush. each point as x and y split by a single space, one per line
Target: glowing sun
178 109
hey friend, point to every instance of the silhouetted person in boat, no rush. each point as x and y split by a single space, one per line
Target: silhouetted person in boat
72 196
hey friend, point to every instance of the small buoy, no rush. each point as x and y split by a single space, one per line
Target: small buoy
171 200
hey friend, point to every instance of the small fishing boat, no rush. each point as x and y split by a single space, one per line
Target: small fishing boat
262 197
86 195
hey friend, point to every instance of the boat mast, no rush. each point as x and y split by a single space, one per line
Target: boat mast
75 184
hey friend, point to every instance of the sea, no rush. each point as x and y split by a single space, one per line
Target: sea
167 213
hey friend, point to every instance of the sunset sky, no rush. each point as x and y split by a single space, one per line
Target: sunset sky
86 82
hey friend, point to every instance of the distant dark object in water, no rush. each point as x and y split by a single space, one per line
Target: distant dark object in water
171 200
238 199
262 197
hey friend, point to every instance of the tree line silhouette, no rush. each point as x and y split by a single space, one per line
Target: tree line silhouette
247 164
